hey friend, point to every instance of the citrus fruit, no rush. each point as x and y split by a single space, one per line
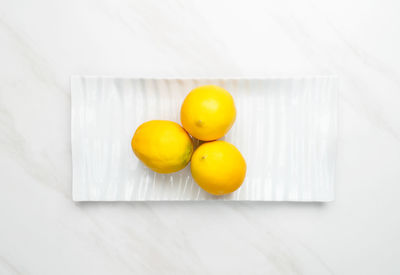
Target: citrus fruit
208 112
162 145
218 167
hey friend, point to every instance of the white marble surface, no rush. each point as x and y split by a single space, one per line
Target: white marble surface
43 42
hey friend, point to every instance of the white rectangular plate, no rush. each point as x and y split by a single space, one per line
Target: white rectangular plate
286 129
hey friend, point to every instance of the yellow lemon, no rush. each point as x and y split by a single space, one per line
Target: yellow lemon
208 112
218 167
162 145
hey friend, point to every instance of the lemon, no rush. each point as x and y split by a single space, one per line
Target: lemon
208 112
162 145
218 167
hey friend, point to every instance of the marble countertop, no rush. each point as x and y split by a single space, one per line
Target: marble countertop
42 43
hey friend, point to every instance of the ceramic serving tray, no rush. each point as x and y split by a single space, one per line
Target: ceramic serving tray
286 129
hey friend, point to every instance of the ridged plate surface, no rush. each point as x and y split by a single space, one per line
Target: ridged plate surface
286 129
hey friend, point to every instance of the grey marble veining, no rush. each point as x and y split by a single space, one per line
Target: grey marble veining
43 43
